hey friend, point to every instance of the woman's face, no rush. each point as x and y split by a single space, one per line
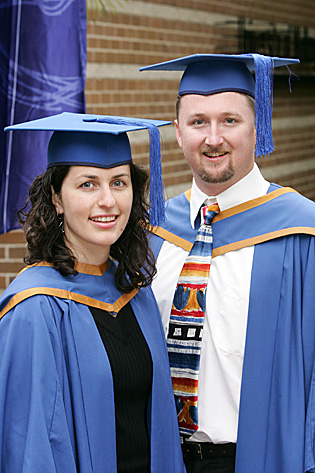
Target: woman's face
96 204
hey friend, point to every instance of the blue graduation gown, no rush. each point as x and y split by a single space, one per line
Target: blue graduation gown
277 406
56 389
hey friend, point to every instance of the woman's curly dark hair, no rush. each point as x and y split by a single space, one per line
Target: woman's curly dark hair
47 243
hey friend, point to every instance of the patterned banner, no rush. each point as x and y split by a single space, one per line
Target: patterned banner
42 72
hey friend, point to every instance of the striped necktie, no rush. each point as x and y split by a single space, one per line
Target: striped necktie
186 324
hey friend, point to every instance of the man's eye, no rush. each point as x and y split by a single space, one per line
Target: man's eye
198 121
230 120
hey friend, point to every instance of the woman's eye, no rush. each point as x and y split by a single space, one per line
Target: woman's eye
119 183
87 185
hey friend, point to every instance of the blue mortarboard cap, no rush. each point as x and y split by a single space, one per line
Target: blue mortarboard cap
207 74
101 141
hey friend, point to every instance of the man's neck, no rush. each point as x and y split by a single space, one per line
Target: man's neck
251 186
216 188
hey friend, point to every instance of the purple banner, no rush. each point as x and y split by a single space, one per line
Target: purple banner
42 72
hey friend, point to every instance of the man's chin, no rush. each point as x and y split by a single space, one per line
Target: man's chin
216 177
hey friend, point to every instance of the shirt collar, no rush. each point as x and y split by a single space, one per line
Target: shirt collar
251 186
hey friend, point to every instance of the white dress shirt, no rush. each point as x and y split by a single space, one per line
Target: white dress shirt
224 332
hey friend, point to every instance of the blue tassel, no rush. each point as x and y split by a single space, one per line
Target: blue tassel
290 78
157 209
263 104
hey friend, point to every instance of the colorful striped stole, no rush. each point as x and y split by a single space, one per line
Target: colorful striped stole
186 324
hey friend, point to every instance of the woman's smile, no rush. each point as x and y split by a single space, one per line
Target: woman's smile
96 204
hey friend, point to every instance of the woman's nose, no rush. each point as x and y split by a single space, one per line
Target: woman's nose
106 198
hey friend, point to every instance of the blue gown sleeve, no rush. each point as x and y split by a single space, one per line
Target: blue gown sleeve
308 325
35 436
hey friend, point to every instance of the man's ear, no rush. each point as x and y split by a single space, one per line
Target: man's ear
56 200
178 135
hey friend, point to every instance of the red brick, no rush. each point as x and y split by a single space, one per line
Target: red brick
10 267
17 252
15 236
2 282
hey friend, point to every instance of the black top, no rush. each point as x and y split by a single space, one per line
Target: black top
131 366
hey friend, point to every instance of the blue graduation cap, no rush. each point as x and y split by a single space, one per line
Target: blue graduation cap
207 74
101 141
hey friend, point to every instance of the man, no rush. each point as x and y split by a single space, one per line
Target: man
255 382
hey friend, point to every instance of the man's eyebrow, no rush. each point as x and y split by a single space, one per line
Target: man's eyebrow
231 112
224 113
196 115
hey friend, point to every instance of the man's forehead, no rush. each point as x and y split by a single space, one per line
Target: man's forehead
226 101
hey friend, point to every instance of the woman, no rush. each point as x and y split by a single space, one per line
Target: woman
85 383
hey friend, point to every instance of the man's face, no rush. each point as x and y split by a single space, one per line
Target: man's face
217 135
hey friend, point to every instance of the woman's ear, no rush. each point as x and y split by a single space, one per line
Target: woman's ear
56 200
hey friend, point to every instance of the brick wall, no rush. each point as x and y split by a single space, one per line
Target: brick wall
12 252
138 33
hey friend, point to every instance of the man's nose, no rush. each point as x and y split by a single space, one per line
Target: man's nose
214 136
